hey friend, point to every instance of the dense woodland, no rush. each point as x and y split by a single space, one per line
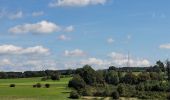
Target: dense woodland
148 83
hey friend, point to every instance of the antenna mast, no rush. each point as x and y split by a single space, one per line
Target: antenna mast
128 60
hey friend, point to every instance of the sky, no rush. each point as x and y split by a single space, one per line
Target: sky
62 34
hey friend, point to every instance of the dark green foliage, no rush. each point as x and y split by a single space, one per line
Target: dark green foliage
113 82
47 85
142 77
87 91
88 74
34 86
112 68
140 87
38 85
161 65
168 70
168 96
130 78
121 89
115 95
74 95
12 85
112 77
55 76
77 82
156 76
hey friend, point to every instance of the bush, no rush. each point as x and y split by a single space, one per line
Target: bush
38 85
47 85
115 95
12 85
74 95
34 86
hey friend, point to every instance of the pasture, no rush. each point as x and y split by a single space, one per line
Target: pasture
24 90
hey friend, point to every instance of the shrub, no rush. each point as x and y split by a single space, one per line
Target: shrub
34 86
74 95
12 85
47 85
38 85
115 95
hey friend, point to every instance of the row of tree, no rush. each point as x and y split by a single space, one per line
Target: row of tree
28 74
147 84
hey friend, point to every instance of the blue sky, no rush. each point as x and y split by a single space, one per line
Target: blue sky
60 34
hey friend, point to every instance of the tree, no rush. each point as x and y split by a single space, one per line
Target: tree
142 77
161 65
88 74
168 69
121 89
115 95
77 82
112 68
55 76
112 77
156 76
74 95
130 78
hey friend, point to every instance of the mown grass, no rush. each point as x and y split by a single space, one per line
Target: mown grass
24 91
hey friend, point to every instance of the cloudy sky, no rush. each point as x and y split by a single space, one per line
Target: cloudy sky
61 34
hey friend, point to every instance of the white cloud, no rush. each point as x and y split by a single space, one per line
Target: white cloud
95 61
76 52
122 60
69 28
76 3
63 37
16 50
16 15
110 40
42 27
165 46
35 14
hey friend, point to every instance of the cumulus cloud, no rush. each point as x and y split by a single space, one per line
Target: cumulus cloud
95 61
16 50
43 27
73 53
110 40
39 13
165 46
122 60
63 37
69 28
76 3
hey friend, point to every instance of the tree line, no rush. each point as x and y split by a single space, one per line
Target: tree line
151 83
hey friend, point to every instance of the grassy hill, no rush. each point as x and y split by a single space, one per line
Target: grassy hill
24 91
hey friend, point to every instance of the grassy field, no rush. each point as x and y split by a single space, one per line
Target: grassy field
24 91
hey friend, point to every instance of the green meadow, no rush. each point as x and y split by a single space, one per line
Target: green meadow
24 89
